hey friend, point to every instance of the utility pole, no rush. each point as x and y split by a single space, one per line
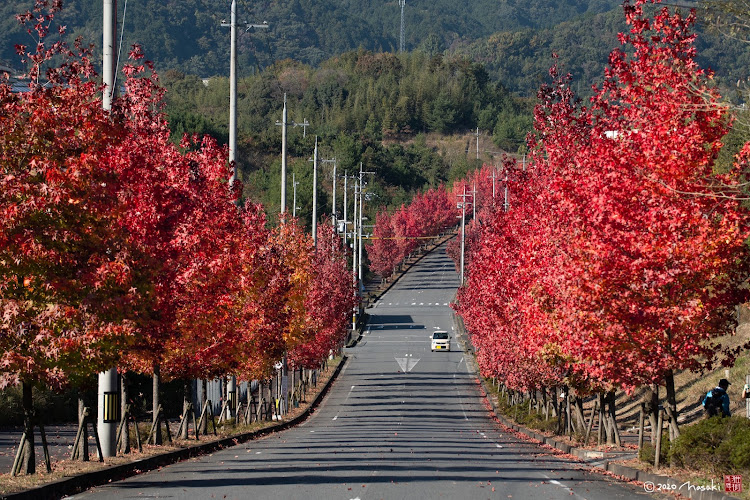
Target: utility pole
506 206
474 202
294 197
494 174
463 233
108 393
233 129
283 124
477 134
354 261
315 195
333 202
233 85
402 4
346 178
283 156
362 185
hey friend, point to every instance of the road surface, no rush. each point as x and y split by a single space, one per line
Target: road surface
400 422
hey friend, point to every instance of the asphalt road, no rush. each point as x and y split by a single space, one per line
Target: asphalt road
400 422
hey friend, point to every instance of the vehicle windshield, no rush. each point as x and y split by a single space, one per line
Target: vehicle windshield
440 335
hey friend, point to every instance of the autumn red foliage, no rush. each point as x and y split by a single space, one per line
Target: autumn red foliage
121 248
397 235
617 262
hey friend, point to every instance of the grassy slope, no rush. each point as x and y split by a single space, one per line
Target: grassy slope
691 386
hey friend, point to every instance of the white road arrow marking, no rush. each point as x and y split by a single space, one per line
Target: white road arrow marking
407 364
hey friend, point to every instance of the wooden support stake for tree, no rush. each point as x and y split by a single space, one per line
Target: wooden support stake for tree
641 425
123 427
657 453
249 409
154 426
202 417
81 445
98 443
674 429
591 423
77 441
213 421
611 414
580 418
223 411
17 463
166 424
185 420
195 426
137 435
45 449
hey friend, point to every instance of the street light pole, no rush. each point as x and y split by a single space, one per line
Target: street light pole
333 202
294 197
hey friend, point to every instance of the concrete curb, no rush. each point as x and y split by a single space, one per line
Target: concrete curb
77 484
652 482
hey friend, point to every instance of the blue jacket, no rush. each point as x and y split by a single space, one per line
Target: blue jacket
723 398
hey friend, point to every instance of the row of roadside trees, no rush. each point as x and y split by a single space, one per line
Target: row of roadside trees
396 235
120 248
622 256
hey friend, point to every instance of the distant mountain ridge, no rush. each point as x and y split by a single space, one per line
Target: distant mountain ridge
513 39
187 34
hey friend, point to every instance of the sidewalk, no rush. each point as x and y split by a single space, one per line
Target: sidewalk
107 472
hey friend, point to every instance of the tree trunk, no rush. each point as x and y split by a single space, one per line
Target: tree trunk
671 406
29 457
186 401
155 403
601 428
651 407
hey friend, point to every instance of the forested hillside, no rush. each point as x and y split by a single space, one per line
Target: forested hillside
381 109
521 59
187 34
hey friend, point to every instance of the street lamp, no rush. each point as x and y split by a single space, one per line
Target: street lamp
294 197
